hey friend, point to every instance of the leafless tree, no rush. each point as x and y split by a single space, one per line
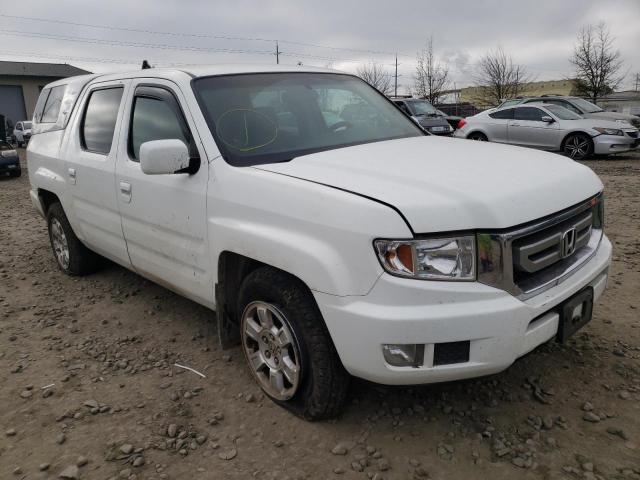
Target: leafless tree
376 76
431 77
497 77
597 63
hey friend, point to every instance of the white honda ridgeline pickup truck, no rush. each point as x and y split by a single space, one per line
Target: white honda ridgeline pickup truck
331 235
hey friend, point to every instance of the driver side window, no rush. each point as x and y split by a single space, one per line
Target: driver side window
403 107
529 113
154 118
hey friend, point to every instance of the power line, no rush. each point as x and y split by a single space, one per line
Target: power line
99 41
162 46
196 35
121 61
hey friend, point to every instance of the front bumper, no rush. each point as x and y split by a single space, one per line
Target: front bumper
609 144
499 327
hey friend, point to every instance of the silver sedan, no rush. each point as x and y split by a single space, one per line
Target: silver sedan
550 127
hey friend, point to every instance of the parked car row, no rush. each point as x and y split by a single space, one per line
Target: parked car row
546 123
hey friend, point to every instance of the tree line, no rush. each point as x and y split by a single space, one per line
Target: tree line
596 62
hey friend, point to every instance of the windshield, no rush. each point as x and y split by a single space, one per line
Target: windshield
422 107
275 117
563 113
586 107
26 125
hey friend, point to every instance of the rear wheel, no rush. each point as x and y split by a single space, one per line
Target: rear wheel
287 345
578 146
72 256
478 137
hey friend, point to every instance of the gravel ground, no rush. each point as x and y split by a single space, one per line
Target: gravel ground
89 390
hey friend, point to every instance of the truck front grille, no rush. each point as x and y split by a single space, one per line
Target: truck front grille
529 259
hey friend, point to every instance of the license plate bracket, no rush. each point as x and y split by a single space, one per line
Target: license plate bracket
575 313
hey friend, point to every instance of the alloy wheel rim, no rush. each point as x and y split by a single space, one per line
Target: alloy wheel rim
60 244
577 147
271 350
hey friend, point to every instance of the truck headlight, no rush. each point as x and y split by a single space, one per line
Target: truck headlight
9 153
438 258
608 131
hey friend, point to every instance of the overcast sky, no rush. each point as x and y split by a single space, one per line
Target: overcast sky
538 34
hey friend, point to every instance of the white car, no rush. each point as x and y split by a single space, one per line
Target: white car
326 247
550 127
21 133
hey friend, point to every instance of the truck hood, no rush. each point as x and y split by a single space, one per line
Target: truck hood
445 184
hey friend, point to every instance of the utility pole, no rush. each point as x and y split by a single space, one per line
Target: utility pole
277 54
637 82
395 83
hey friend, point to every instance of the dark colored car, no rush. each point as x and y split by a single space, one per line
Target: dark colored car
9 160
453 120
425 115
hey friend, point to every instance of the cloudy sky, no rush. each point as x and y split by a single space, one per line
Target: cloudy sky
109 36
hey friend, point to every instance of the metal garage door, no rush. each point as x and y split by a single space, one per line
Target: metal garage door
12 103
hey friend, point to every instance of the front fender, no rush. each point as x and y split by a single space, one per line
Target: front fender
322 235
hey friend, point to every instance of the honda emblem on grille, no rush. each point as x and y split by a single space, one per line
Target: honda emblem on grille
568 243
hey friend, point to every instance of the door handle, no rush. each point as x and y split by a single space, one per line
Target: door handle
72 175
125 191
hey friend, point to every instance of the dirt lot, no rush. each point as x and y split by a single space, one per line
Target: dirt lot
88 384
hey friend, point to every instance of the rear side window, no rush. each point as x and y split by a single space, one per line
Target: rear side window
154 119
52 105
506 114
529 113
99 121
42 99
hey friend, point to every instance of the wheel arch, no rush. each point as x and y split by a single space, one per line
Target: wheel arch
478 130
47 198
233 268
582 132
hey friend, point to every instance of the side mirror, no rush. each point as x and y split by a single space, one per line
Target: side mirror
165 157
547 119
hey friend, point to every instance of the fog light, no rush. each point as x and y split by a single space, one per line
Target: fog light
403 355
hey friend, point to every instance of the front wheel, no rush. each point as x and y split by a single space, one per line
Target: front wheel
578 146
287 346
72 256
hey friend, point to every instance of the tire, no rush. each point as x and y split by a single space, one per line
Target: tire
478 137
577 146
275 304
16 174
72 257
